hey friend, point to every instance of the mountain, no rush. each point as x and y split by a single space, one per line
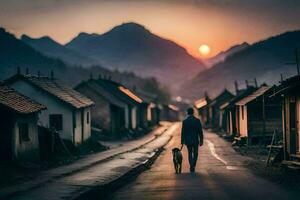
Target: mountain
15 53
51 48
221 57
131 47
264 60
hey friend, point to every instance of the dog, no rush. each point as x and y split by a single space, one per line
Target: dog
177 160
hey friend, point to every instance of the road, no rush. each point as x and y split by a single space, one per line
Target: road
220 174
100 169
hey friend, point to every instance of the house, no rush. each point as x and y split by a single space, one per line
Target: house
152 116
226 119
258 115
169 112
214 108
18 127
229 112
201 105
68 111
289 91
116 107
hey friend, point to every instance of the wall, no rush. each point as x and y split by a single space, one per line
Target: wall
86 125
54 106
78 128
134 117
100 111
243 121
221 113
149 113
230 122
143 114
26 150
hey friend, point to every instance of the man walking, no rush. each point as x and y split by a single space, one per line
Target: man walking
192 137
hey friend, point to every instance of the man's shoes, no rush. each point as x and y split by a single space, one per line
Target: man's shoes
192 169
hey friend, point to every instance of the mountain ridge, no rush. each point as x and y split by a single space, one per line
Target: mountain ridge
132 47
14 53
223 55
264 60
51 48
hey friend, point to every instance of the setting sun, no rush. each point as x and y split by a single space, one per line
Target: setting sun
204 50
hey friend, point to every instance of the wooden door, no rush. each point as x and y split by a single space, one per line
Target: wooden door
6 129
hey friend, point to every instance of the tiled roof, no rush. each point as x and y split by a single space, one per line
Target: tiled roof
242 94
18 102
253 96
200 103
97 89
287 85
119 91
173 107
57 89
146 97
130 94
222 97
224 105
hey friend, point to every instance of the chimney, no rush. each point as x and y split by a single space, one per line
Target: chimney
281 77
18 70
236 86
255 82
91 76
247 84
27 71
52 75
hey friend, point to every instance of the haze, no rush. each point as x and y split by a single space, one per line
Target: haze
190 23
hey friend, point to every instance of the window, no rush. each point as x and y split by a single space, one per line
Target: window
88 117
23 132
243 112
56 121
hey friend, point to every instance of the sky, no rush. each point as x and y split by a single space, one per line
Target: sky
190 23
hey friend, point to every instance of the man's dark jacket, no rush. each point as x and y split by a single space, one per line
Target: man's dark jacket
191 132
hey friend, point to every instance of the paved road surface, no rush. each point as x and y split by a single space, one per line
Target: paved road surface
68 182
220 174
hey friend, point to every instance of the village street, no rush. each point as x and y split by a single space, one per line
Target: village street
220 174
100 169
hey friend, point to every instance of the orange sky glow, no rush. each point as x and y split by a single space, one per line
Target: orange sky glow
189 25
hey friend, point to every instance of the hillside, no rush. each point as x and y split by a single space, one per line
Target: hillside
131 47
15 53
221 57
264 60
51 48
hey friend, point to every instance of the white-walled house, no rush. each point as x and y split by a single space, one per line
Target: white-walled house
18 127
259 115
68 111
